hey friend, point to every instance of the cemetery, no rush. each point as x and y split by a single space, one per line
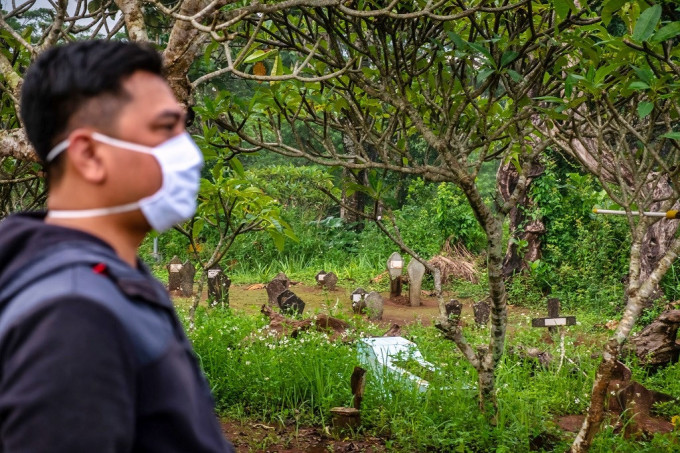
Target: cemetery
379 334
422 226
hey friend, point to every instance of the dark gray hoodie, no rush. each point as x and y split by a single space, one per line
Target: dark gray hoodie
92 356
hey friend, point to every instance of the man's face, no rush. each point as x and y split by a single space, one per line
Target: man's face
151 117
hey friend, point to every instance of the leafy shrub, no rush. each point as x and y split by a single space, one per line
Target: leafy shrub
585 256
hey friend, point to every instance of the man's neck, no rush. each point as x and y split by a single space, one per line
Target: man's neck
122 240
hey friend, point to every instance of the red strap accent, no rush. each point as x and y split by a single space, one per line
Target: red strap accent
99 268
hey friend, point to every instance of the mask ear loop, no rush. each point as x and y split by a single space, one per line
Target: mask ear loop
121 143
61 146
97 212
54 152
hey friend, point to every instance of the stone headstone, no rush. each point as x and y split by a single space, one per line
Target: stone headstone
374 306
321 278
358 300
330 281
174 279
290 303
218 286
416 271
279 284
395 266
187 279
481 310
454 310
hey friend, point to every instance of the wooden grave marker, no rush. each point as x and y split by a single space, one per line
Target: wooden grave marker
554 319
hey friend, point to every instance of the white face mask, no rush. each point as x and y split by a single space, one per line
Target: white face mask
180 160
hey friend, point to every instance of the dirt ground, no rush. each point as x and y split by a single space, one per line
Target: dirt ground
259 437
317 300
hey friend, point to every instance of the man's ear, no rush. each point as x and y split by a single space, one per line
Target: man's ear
84 157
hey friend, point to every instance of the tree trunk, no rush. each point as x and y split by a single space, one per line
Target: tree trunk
356 202
516 257
657 240
197 299
639 291
598 397
487 395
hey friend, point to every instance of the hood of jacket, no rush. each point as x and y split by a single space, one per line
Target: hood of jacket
23 236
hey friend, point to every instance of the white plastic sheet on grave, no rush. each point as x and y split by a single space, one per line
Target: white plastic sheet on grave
382 356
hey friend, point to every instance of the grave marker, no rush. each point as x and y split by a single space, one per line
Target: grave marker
290 303
416 270
395 265
481 310
374 306
174 278
186 275
279 284
454 310
327 280
554 319
218 286
358 300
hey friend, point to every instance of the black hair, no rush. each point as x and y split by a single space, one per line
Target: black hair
65 79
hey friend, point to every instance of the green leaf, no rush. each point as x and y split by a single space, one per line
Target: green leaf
258 55
237 166
604 71
672 135
457 40
198 226
645 108
667 32
610 8
562 8
645 74
93 6
277 68
481 49
515 76
483 75
278 238
638 86
508 57
644 27
549 99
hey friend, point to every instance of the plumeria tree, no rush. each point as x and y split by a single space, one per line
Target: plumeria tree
462 78
618 114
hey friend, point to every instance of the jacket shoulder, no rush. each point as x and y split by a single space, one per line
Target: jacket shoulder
148 326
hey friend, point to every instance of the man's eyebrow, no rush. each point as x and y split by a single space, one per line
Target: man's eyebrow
174 114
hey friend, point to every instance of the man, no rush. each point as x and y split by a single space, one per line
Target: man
92 356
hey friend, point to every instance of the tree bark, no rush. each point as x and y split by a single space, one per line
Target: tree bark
14 143
197 299
134 19
639 293
183 47
531 232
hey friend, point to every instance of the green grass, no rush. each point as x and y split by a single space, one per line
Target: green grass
257 375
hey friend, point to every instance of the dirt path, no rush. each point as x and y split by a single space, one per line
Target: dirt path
316 299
